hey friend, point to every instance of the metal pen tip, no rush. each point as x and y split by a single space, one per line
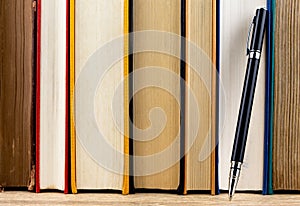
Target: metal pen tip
232 186
233 177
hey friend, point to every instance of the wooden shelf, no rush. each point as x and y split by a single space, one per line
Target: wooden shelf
27 198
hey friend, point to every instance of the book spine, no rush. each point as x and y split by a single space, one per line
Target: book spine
217 94
130 70
38 69
270 176
182 176
72 106
267 102
213 99
125 188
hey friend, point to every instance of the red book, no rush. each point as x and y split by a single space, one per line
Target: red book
52 95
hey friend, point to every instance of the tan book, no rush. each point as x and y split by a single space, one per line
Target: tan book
16 92
286 145
201 73
152 170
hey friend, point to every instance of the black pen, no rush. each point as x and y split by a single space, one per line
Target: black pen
254 54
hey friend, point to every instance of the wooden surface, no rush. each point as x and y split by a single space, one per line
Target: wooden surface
286 147
26 198
16 75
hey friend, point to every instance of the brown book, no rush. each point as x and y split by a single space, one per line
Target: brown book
286 146
16 92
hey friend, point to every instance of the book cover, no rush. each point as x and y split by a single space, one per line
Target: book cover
267 138
270 176
16 92
286 114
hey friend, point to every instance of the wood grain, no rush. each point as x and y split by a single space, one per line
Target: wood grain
16 90
25 199
286 147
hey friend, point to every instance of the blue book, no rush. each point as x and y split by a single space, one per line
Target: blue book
233 19
267 183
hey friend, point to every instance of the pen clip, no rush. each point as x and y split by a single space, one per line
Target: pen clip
249 32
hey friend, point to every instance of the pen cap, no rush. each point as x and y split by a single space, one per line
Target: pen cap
259 25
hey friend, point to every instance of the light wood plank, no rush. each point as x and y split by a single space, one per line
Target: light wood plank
25 198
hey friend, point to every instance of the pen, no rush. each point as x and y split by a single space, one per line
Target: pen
254 54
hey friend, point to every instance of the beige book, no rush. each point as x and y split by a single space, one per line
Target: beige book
97 22
286 145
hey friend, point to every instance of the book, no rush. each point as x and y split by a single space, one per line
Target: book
16 93
286 115
235 18
167 20
156 149
52 96
201 82
268 102
270 168
94 25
